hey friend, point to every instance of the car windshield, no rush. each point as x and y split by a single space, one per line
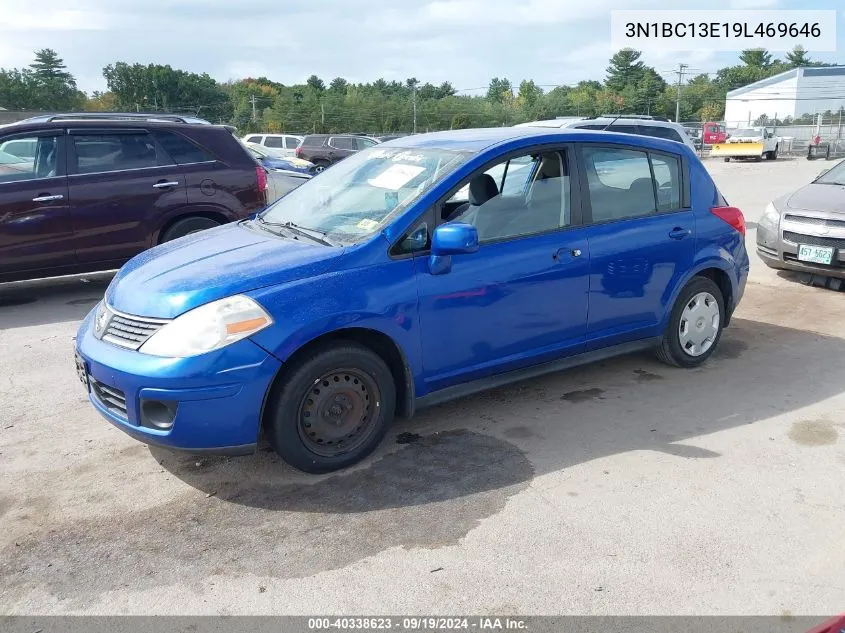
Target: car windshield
747 132
834 176
359 195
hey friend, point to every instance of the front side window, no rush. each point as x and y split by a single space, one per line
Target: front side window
361 194
364 143
115 152
254 139
291 142
43 163
538 200
620 184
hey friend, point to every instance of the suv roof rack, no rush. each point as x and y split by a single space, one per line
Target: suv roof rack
120 116
646 117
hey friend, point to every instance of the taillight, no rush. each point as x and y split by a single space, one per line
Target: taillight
299 152
261 178
732 216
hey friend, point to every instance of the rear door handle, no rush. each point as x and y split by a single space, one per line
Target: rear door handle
48 198
679 233
164 185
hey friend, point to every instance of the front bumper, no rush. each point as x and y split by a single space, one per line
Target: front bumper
217 397
782 254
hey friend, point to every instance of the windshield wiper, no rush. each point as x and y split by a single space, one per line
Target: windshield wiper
312 234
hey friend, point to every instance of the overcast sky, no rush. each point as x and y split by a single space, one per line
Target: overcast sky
465 42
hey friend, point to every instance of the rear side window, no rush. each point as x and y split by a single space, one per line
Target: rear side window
343 142
274 141
312 141
619 182
181 150
115 152
291 142
254 139
661 132
667 175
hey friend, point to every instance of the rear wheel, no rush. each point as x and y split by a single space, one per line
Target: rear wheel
332 408
727 159
187 226
695 325
321 165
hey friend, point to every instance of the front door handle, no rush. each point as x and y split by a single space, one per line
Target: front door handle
48 198
566 253
164 185
679 233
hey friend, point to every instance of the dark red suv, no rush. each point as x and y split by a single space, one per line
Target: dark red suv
86 192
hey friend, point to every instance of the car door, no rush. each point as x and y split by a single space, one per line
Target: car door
641 231
36 235
522 297
121 182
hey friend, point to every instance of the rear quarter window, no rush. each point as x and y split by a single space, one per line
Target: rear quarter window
181 150
661 132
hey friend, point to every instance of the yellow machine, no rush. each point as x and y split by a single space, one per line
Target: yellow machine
738 150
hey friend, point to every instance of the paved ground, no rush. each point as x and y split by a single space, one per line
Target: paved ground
620 488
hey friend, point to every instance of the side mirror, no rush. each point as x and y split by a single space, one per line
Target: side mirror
448 240
454 239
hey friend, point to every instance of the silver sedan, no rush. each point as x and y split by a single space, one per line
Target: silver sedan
805 231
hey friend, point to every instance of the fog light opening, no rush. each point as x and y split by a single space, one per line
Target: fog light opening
157 414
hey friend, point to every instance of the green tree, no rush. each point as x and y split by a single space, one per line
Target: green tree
498 89
756 57
338 85
624 69
52 87
316 83
461 121
529 93
48 66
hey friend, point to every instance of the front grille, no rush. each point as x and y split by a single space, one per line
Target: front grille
814 240
113 399
131 331
805 219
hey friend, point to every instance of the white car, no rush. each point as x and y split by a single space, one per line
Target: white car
280 145
641 125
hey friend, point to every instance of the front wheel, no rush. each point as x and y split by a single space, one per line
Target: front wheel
321 166
332 408
695 325
187 226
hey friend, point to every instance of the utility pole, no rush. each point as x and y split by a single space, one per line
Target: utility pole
681 70
322 116
415 108
252 100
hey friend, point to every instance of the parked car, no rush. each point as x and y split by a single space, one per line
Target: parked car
101 188
756 143
325 150
641 125
805 230
373 290
284 164
279 145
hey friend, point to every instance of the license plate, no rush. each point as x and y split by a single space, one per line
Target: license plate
81 370
815 254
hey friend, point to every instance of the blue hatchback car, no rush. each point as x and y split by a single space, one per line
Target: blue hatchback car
419 270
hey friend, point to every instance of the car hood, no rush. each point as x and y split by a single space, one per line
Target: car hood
173 278
815 197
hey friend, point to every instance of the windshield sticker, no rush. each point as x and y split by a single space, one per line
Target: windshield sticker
396 176
367 224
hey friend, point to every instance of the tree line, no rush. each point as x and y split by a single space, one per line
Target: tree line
260 104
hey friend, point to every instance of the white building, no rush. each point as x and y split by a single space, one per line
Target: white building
792 93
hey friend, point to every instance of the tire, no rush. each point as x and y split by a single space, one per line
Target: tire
727 159
335 386
774 154
321 165
672 349
186 226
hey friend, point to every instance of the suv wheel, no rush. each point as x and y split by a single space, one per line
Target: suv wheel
695 325
321 165
332 409
187 226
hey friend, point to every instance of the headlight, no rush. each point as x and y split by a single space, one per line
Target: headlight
101 319
208 327
771 215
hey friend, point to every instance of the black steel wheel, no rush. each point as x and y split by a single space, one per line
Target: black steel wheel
331 408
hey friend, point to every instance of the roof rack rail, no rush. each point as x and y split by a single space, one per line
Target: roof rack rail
125 116
646 117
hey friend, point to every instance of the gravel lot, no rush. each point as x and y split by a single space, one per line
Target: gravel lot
625 487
